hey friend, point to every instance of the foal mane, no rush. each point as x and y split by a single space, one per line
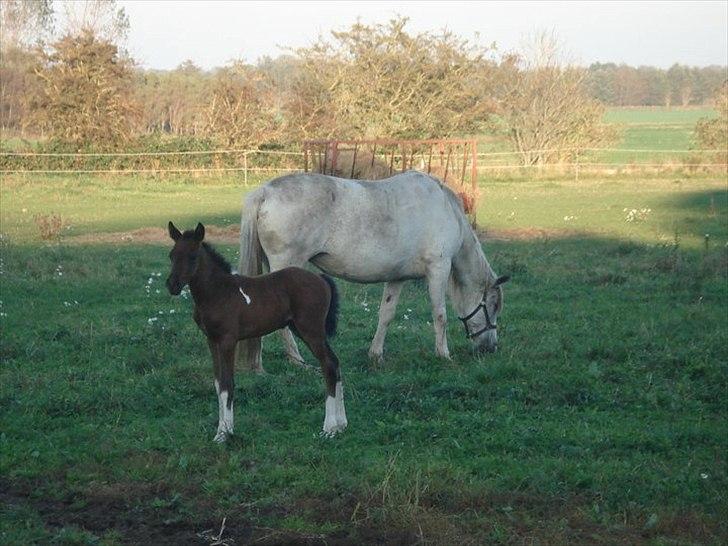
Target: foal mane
216 257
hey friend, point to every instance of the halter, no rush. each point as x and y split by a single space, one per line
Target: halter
488 324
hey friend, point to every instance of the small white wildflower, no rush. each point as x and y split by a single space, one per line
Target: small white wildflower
160 313
156 291
152 319
171 311
3 314
406 317
704 475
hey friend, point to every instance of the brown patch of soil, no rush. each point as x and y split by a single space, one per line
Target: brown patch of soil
230 235
141 513
525 234
152 235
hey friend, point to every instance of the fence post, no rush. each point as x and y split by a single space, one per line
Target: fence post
245 168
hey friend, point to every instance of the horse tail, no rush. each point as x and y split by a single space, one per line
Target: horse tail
251 251
333 312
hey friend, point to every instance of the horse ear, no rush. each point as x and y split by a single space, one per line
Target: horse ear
174 233
199 232
502 280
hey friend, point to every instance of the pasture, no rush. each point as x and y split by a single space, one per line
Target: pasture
601 419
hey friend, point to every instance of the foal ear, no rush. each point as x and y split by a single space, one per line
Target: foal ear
501 280
199 232
174 233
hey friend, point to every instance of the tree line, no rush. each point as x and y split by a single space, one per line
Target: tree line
82 90
680 85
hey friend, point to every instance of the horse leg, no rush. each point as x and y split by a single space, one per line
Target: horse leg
224 351
249 354
335 418
437 279
289 342
387 307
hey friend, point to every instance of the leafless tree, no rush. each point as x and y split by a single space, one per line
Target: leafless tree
545 105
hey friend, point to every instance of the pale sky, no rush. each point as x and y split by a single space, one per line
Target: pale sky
212 33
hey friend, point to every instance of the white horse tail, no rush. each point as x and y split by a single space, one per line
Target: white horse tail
251 252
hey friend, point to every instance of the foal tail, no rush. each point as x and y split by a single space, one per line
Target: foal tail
251 252
333 312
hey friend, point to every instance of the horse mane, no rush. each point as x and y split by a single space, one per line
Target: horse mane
216 257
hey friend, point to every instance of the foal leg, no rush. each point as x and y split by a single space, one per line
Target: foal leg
335 419
437 279
387 307
225 386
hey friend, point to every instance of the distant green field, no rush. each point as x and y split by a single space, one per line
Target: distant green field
653 129
657 115
670 131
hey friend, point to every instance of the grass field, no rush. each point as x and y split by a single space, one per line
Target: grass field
601 420
641 135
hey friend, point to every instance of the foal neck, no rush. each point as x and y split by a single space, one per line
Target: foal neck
211 268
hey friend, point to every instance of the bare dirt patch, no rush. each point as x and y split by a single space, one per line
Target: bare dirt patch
525 234
230 235
139 513
154 235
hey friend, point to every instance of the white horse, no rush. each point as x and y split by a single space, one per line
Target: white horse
409 226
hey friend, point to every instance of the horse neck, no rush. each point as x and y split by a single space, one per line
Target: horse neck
204 284
471 274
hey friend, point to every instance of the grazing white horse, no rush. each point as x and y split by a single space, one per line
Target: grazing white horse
409 226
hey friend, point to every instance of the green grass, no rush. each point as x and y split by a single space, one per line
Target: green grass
664 129
658 115
602 418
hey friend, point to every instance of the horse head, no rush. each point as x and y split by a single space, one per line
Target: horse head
481 323
184 257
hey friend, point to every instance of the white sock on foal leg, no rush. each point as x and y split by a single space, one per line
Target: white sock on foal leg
335 420
225 415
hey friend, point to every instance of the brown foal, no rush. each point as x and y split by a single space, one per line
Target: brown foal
229 308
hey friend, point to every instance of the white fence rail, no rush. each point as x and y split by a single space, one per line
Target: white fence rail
584 159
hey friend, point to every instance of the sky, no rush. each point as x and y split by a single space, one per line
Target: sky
163 34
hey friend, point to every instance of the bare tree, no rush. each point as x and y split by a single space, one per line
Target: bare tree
24 23
101 18
545 105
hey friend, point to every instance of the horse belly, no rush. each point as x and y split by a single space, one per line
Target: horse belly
358 265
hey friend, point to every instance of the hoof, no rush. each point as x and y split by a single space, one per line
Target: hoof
221 437
333 430
296 360
376 358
